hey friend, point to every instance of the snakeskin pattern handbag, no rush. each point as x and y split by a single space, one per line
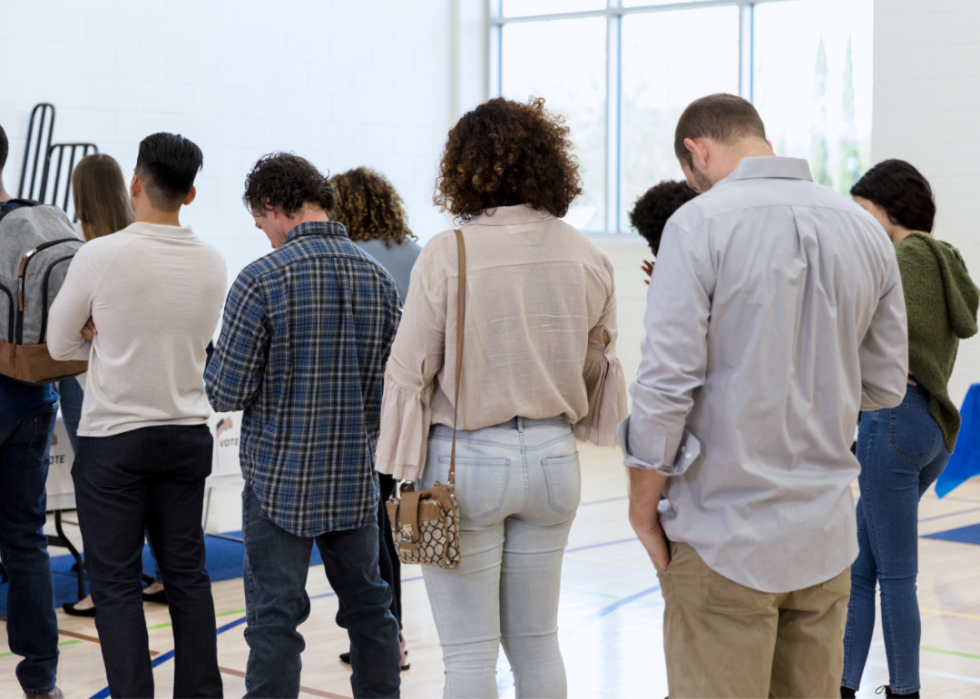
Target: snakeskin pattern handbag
426 524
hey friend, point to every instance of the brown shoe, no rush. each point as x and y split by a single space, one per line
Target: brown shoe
53 694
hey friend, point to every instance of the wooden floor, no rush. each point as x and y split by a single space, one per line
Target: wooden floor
610 616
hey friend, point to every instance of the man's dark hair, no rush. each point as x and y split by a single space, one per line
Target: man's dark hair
4 148
167 165
722 117
289 181
651 211
901 190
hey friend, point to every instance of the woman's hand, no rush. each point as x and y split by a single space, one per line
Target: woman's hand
647 268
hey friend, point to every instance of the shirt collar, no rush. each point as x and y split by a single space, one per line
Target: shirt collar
770 167
159 231
327 228
509 216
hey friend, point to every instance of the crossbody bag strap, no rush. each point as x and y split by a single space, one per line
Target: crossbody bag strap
460 322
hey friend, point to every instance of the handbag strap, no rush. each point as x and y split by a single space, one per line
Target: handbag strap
460 321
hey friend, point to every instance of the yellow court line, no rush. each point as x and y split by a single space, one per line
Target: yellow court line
577 557
960 614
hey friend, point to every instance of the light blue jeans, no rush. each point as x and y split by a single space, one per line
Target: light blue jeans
518 485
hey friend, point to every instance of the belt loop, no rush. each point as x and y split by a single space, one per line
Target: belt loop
520 423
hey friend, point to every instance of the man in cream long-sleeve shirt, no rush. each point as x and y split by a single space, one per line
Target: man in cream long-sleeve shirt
775 313
141 305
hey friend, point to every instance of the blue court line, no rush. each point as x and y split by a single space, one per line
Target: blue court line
595 546
951 514
599 502
605 611
507 681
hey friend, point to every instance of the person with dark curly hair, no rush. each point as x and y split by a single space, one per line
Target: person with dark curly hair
307 331
374 214
539 368
903 450
651 211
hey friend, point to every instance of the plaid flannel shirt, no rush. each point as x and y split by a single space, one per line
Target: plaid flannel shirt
306 334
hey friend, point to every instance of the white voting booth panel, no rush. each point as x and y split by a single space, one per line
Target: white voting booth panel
225 470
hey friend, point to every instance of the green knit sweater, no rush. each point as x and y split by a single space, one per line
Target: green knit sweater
941 300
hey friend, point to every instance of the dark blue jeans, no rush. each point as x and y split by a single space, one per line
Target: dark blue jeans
902 453
276 567
150 478
32 628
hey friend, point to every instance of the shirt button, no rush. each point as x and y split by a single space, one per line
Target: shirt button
688 456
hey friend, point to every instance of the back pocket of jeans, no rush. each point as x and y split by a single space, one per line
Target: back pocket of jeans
43 427
912 433
481 484
563 476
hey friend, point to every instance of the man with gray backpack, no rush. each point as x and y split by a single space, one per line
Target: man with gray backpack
27 417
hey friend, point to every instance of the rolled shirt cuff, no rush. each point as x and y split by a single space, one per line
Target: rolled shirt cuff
688 451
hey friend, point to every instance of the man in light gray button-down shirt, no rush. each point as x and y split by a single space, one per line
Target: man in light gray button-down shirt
775 314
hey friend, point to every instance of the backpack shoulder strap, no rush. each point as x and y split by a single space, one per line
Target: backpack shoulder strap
5 207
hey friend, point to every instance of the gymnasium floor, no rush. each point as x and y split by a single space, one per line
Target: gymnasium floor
610 619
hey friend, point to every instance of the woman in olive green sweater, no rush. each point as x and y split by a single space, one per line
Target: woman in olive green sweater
903 450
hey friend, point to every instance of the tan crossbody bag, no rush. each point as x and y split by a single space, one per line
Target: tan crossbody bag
426 524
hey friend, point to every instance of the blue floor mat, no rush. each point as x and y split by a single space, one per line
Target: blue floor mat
963 535
224 562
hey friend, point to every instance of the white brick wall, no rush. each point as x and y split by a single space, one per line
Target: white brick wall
927 111
341 82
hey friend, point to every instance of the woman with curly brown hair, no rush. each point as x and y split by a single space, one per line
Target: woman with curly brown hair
539 369
374 215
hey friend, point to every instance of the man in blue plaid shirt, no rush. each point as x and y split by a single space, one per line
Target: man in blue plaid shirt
306 334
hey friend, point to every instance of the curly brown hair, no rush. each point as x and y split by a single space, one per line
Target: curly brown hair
506 153
370 207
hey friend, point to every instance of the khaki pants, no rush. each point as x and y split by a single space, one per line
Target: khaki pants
723 639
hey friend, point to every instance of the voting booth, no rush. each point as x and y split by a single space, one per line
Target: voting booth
225 473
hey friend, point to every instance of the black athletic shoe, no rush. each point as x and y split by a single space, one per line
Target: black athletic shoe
847 693
889 693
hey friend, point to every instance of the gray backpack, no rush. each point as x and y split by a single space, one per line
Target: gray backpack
37 244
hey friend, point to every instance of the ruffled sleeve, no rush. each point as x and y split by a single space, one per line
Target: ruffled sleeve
606 388
416 357
405 419
603 375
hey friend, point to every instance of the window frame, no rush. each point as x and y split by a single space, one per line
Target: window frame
614 13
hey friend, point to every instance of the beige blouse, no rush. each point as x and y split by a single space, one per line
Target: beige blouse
539 295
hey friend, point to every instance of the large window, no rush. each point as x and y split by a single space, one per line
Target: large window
621 72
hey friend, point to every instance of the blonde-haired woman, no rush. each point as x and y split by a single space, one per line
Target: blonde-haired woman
102 207
101 197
